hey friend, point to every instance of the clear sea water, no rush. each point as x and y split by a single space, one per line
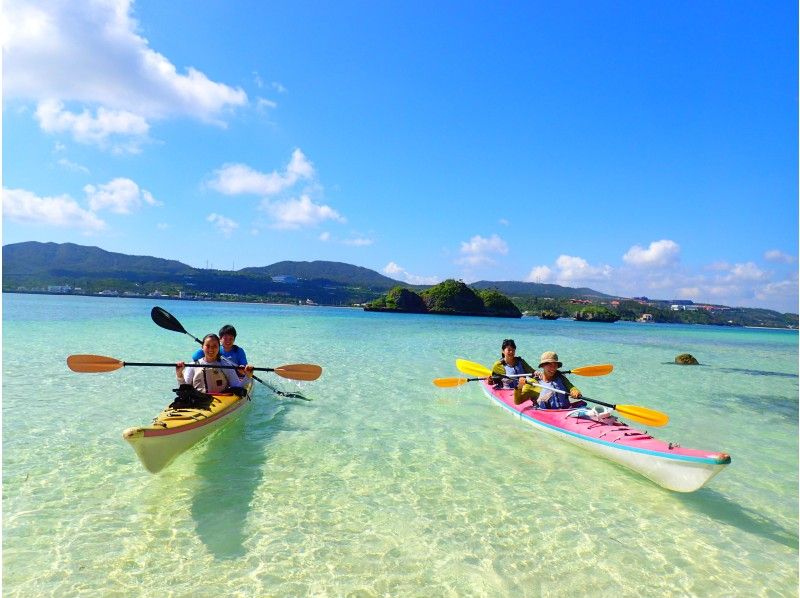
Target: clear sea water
385 485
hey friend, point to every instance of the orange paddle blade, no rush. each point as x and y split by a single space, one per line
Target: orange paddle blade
299 371
450 382
593 370
93 364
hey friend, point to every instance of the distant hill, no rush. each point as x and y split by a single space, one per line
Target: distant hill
516 288
322 270
32 258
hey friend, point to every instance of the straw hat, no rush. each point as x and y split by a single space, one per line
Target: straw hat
549 357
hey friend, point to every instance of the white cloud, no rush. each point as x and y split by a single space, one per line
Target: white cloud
162 226
73 166
236 179
226 226
393 270
744 272
299 213
120 195
279 87
358 242
326 236
96 130
265 104
775 255
92 53
478 250
23 206
658 254
570 271
540 274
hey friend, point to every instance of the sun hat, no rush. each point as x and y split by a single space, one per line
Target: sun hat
549 357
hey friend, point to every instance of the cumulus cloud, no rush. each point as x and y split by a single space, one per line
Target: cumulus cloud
540 274
478 250
778 256
226 226
300 213
658 254
570 270
237 179
121 196
394 270
23 206
102 130
91 53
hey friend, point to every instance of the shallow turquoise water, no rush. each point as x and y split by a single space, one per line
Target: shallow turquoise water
385 484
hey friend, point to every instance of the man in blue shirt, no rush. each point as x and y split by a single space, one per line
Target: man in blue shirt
228 352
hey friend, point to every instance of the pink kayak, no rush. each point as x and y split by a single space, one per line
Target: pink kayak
595 429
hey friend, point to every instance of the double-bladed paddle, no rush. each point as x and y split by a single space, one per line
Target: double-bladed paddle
95 364
476 369
166 320
644 415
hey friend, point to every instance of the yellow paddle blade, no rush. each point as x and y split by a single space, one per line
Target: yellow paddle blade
472 369
650 417
299 371
593 370
450 382
93 364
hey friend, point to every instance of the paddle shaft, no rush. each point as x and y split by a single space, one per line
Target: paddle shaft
193 365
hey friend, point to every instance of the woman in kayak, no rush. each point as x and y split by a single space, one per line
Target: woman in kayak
546 398
212 380
228 351
510 364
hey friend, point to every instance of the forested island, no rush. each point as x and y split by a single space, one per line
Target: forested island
451 297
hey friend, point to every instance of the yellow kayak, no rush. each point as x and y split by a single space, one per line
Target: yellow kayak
176 429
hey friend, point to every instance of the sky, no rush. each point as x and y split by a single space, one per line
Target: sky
636 148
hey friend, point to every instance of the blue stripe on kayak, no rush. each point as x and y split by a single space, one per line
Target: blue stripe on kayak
704 460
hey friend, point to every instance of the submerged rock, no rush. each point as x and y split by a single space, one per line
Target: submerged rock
686 359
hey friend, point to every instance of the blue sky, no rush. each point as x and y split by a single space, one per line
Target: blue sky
637 148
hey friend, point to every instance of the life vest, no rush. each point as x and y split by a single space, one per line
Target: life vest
510 371
210 380
548 399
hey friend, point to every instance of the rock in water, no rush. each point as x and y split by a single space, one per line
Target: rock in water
686 359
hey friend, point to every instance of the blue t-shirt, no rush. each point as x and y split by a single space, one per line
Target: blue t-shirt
236 355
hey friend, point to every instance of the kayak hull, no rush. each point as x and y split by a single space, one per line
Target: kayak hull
667 464
174 431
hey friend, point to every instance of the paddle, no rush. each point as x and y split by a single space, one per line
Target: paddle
96 364
476 369
169 322
644 415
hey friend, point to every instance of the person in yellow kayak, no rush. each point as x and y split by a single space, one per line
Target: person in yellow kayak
212 380
545 398
510 364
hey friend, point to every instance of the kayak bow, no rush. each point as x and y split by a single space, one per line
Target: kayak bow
175 430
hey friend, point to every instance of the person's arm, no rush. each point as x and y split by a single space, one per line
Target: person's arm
241 357
183 374
574 391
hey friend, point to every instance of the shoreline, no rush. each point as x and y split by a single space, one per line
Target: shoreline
359 307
